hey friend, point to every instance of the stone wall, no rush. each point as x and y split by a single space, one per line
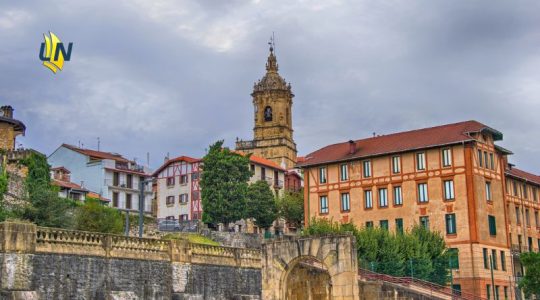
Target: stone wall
234 239
48 263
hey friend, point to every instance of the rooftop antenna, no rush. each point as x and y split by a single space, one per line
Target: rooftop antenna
272 43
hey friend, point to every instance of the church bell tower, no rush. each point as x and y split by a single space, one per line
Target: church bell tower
273 133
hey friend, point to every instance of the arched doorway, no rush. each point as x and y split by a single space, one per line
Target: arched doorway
308 279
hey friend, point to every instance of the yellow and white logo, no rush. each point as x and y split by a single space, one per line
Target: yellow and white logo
53 54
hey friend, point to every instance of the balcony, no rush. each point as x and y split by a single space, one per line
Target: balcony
125 185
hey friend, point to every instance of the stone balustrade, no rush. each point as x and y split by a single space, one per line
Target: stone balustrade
29 238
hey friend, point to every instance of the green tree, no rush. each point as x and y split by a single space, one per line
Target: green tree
530 283
291 208
45 207
94 216
261 205
224 185
4 179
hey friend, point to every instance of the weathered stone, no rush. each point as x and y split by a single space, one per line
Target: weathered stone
121 295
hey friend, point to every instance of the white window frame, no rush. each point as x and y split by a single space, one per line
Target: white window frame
322 175
421 161
324 207
489 196
368 199
423 195
383 197
366 168
447 157
398 195
449 190
345 202
396 164
344 172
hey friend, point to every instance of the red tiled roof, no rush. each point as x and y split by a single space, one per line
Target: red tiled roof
60 168
97 154
514 172
177 159
97 196
68 185
399 142
266 162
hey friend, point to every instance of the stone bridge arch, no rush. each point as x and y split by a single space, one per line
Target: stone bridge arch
327 264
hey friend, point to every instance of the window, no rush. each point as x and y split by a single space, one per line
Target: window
368 200
530 244
505 292
344 172
446 157
488 291
322 175
324 204
345 202
383 197
448 189
369 224
128 201
480 158
497 292
486 258
398 196
424 221
170 181
535 194
491 161
396 164
399 225
383 224
268 114
183 179
183 198
252 167
518 217
527 219
536 220
486 159
450 223
183 217
263 174
422 192
503 261
453 256
169 200
494 259
515 188
116 179
420 161
525 194
492 225
488 191
115 199
367 168
129 181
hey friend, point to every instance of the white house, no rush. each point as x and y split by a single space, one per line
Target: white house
178 192
109 175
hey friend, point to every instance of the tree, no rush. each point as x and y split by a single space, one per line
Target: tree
4 179
45 207
94 216
224 185
530 283
261 205
291 208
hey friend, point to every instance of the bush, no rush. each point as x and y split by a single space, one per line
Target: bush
94 216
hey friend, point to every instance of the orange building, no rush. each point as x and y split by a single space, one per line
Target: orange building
450 178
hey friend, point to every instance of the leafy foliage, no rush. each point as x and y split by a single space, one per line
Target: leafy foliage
530 283
94 216
224 185
418 252
45 207
4 213
261 204
291 208
191 237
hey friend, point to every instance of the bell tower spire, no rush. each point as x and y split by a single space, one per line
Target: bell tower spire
272 101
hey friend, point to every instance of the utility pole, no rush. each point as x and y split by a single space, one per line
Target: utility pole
142 184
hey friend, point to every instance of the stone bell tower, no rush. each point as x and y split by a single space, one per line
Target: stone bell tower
273 133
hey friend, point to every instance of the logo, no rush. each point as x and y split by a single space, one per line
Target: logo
53 53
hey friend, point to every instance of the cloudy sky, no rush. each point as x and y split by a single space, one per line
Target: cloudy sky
167 76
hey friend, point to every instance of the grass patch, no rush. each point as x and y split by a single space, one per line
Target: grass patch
191 237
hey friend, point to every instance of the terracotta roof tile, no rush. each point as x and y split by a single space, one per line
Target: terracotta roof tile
97 154
97 196
514 172
176 159
399 142
66 184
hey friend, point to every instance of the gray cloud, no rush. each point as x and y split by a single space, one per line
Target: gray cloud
173 76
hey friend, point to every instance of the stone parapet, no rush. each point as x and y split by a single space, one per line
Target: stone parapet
218 255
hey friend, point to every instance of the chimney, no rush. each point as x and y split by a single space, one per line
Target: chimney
352 147
7 111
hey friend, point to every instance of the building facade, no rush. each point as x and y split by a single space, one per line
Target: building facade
450 178
9 128
110 175
178 190
273 132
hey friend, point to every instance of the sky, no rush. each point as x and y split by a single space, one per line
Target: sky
172 77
